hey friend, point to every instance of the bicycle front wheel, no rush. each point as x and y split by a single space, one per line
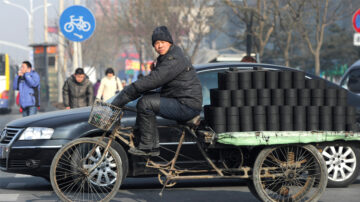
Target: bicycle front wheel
74 176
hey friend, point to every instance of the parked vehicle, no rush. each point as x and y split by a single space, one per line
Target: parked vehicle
6 78
28 145
345 175
351 78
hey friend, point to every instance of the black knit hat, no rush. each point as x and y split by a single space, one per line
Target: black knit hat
79 70
161 33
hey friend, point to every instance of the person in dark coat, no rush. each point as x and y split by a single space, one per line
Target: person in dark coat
249 59
78 90
180 96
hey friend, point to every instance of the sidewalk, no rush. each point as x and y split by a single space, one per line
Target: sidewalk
51 107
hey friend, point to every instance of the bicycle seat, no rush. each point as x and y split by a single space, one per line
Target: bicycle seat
192 123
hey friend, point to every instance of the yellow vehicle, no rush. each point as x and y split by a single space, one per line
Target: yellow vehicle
6 78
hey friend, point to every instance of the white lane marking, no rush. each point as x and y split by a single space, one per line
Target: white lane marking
22 176
9 197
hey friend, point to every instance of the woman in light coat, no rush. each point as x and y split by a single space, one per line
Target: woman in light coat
109 86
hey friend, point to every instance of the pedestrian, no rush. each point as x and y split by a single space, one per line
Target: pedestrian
123 83
109 86
78 90
180 96
249 59
96 87
27 82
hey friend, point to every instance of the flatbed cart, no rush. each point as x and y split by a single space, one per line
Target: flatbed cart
279 165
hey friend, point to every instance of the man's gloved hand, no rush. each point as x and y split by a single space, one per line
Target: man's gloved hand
128 94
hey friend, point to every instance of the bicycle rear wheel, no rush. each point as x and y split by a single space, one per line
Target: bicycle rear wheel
290 173
70 176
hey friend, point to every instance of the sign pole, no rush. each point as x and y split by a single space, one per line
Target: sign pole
45 22
356 25
75 56
80 62
77 23
61 60
79 49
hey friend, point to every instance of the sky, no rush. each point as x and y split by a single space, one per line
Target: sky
14 25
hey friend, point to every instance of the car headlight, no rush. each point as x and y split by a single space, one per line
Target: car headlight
36 133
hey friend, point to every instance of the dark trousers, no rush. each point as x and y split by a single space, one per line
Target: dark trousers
27 111
151 105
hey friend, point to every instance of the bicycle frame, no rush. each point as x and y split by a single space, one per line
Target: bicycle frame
168 169
172 173
270 172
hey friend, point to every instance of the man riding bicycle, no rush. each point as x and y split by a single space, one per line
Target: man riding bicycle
180 96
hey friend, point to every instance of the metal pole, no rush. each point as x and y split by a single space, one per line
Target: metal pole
46 79
77 49
61 63
80 55
45 22
249 34
30 29
29 13
75 57
30 16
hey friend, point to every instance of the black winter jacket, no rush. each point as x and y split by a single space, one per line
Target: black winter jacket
176 77
77 94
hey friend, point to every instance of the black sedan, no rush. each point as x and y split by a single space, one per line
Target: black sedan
28 145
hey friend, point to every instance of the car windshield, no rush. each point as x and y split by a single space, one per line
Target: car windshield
352 81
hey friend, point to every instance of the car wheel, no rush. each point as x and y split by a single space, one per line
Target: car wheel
343 164
124 158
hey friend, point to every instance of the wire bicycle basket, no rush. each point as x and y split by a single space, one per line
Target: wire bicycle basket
103 115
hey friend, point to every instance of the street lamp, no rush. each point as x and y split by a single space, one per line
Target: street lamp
29 13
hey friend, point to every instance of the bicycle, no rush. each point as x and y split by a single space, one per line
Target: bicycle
89 169
79 23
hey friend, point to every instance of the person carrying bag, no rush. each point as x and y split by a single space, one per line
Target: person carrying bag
109 86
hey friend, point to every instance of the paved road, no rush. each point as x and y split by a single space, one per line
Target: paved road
24 188
5 118
16 187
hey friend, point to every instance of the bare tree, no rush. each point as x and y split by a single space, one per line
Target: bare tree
187 20
312 18
284 27
258 19
101 50
196 17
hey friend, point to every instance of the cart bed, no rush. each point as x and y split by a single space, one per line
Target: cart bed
256 138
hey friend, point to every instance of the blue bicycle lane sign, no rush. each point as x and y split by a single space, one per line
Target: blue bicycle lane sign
77 23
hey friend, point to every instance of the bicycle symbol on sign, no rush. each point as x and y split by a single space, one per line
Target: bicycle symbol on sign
79 23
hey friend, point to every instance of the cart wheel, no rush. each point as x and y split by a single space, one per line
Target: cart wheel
290 173
162 180
70 176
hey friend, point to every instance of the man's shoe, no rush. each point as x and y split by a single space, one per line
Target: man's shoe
137 152
155 152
